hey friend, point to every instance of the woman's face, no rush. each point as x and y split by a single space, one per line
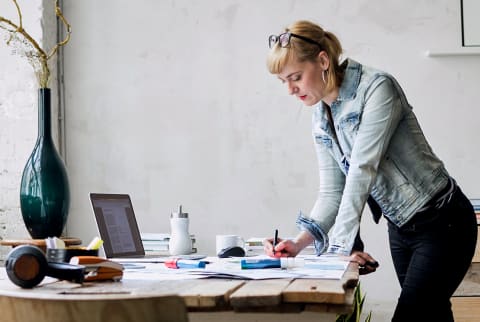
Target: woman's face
304 80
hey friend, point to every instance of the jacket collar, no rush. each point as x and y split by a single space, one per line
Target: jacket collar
351 79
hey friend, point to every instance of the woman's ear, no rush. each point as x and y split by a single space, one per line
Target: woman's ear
324 60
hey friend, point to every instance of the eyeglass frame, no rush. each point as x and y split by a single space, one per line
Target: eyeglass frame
277 39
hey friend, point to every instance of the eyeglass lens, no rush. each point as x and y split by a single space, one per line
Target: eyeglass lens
284 39
272 40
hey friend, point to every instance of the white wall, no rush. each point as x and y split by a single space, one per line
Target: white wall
171 102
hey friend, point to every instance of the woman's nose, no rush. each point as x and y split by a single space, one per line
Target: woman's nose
291 88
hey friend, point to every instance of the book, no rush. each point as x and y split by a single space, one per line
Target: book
98 268
158 243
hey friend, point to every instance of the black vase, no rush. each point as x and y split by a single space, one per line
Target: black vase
44 190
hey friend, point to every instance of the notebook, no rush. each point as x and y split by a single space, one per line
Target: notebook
118 228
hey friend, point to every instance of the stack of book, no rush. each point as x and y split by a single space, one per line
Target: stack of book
476 208
254 246
157 243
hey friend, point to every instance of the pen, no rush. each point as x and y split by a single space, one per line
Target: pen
275 240
184 263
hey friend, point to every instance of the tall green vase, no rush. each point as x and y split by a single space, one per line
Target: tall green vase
44 190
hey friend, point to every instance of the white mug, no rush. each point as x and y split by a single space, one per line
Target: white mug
224 241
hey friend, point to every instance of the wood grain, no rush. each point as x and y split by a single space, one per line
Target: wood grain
213 294
259 293
150 309
322 290
466 309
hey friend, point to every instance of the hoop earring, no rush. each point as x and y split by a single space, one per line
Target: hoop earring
323 76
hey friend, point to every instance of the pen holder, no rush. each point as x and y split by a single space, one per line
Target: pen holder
63 255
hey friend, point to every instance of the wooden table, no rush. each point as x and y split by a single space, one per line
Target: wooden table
220 299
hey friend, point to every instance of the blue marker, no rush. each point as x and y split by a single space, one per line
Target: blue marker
261 263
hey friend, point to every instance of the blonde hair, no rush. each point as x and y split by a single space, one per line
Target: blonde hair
304 51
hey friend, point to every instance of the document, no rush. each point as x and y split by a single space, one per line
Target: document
312 267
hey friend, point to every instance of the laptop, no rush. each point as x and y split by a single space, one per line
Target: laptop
119 230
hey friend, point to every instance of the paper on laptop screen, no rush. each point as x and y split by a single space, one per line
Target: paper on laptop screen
115 220
115 215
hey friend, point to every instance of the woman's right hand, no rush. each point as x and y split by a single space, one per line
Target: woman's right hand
284 248
288 247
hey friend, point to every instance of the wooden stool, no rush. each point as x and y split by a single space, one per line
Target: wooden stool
69 241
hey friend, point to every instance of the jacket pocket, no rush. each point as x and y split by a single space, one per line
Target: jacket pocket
350 122
390 170
325 140
348 127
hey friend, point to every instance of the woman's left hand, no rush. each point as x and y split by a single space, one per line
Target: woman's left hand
367 264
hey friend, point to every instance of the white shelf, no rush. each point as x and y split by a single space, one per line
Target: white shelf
464 51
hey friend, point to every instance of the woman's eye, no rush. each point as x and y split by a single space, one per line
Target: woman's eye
296 78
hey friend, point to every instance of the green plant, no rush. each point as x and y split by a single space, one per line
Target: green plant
354 316
25 45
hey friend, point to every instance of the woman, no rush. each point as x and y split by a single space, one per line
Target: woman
371 149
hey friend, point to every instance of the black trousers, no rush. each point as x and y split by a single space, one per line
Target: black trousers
431 254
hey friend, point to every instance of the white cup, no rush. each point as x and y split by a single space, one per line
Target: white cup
224 241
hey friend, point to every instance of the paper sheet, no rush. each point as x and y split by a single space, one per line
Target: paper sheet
326 267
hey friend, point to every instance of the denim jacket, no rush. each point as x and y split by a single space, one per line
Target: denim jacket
387 153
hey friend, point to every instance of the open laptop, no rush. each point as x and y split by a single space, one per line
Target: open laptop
119 230
117 225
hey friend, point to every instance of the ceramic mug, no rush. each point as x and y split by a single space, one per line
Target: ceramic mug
224 241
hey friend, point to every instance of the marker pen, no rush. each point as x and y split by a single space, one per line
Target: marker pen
288 262
184 263
283 262
260 263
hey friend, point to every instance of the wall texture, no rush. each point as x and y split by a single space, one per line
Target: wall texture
18 109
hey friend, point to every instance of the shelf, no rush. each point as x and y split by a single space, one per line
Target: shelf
464 51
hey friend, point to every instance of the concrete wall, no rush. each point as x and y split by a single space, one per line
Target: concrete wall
18 108
170 101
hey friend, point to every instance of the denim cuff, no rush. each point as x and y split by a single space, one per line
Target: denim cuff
337 250
321 238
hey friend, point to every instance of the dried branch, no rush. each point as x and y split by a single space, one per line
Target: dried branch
59 14
25 45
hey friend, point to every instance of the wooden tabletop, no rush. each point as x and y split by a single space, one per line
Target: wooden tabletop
285 295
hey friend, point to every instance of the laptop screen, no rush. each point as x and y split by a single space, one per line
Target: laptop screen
117 225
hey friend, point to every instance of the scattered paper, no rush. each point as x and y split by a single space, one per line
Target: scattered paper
316 267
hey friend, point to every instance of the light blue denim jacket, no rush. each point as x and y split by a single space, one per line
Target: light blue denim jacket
388 155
